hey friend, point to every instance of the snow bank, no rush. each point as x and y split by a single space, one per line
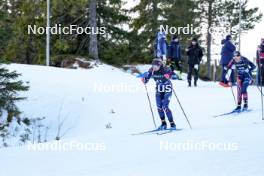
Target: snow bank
104 106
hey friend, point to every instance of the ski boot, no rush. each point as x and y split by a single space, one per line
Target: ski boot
163 125
195 83
238 109
189 84
245 107
173 126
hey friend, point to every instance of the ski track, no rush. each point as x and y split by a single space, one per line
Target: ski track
88 112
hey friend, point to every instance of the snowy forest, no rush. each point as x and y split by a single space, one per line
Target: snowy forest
130 31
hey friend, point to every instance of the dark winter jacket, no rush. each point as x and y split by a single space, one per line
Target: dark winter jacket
195 54
227 52
260 55
174 51
242 66
223 41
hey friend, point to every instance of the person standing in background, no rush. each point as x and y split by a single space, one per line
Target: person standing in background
161 46
174 56
227 52
260 62
195 54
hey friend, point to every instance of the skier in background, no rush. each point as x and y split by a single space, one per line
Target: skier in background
195 53
228 49
160 46
260 63
174 56
162 75
244 69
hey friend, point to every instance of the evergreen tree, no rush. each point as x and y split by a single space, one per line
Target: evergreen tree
22 46
181 13
117 46
153 13
250 16
112 45
5 33
109 14
9 89
66 13
147 24
30 48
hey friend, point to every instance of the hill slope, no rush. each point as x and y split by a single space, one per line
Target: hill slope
231 145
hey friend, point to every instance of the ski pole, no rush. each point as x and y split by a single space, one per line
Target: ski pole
181 107
150 106
239 90
231 87
233 93
261 90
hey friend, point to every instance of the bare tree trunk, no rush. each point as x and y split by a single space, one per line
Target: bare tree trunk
154 19
155 16
209 38
93 45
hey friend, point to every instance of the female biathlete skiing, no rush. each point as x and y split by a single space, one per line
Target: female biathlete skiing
162 76
244 69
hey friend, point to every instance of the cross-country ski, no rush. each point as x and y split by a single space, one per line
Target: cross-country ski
234 112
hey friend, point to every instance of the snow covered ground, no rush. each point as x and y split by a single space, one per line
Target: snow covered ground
92 100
